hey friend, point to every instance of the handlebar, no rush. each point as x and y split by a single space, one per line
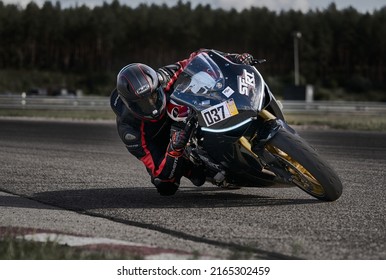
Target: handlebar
258 61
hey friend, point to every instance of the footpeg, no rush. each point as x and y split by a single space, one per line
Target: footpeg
219 177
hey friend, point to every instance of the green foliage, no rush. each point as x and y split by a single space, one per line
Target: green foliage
22 80
337 46
358 84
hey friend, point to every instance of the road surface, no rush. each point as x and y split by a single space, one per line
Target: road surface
76 177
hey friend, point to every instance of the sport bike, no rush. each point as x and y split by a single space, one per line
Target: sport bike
241 137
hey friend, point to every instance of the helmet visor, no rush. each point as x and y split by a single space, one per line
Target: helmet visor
150 107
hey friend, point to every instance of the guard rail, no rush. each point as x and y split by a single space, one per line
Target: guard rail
71 102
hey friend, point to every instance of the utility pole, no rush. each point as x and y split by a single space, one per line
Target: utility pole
297 35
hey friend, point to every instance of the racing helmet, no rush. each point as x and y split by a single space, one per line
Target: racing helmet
137 86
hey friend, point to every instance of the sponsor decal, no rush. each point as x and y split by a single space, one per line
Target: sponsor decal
143 89
116 101
245 82
201 83
228 92
175 162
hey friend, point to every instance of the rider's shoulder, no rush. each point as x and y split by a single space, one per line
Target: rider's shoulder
116 103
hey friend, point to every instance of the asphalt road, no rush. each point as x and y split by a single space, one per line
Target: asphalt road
82 169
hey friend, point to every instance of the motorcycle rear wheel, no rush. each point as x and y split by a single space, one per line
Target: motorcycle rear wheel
307 169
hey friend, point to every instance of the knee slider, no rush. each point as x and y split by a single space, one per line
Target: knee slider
165 188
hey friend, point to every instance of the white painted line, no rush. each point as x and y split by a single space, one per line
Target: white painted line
72 240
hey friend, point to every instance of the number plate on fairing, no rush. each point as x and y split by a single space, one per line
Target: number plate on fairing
219 112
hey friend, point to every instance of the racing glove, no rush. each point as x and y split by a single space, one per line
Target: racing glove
179 137
168 177
244 58
166 73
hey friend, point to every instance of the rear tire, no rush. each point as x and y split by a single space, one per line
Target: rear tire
308 170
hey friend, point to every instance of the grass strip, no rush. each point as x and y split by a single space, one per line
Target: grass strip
20 249
332 120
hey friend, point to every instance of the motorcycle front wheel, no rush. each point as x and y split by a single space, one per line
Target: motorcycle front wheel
306 168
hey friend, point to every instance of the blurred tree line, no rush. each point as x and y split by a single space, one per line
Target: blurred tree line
338 48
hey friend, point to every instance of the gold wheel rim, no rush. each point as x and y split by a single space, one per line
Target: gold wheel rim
300 175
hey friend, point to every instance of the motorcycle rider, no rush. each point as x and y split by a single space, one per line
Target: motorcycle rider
140 102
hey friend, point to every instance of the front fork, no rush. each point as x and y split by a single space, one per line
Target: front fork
256 146
268 130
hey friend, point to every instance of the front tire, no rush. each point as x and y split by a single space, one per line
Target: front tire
306 168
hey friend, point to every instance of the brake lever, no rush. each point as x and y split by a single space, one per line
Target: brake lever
192 118
258 61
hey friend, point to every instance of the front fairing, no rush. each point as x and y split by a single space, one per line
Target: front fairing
223 94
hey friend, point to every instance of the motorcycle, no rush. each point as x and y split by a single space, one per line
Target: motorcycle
242 138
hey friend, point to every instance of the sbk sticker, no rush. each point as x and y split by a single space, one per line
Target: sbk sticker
245 82
219 112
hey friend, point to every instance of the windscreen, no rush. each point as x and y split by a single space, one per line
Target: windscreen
219 89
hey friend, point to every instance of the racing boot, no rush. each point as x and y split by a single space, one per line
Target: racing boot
196 174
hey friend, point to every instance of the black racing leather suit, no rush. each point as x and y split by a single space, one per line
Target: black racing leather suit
149 141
